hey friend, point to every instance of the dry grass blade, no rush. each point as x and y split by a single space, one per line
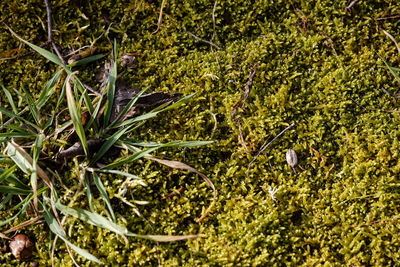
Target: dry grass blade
24 224
391 38
164 2
4 236
182 166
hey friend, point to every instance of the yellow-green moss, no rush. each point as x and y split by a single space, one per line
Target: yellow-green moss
317 67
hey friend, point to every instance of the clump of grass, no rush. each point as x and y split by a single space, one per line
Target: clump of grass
29 128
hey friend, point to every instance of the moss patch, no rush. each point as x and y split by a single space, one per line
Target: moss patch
317 67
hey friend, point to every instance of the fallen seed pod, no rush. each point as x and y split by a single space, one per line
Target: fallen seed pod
291 159
21 247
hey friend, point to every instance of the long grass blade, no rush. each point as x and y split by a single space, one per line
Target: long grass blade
93 218
37 147
43 52
111 87
154 113
75 114
13 115
9 177
89 192
32 107
104 194
127 107
9 98
391 69
56 229
5 189
48 90
5 200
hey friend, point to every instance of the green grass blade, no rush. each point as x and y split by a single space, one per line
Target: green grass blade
16 134
104 194
107 145
85 60
9 177
21 158
391 69
13 115
89 192
5 200
10 99
32 106
43 52
84 93
56 229
135 156
154 113
75 114
48 90
126 174
111 87
5 189
92 218
127 107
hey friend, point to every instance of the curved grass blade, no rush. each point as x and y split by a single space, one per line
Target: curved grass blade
13 115
107 145
94 219
31 104
56 229
9 98
47 54
9 177
127 107
104 194
48 90
391 69
154 113
74 111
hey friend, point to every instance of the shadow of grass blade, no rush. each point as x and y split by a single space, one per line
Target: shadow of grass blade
75 114
56 229
104 194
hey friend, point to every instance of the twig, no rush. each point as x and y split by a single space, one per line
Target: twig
391 38
50 31
213 18
391 17
352 3
267 145
246 92
386 91
204 41
164 2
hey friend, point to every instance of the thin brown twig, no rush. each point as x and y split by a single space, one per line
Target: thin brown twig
264 146
50 31
391 38
164 2
391 17
350 6
204 41
246 92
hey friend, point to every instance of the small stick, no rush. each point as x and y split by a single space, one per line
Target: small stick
391 38
50 31
391 17
352 3
246 92
204 41
164 2
213 18
267 145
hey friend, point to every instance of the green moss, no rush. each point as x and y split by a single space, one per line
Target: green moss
322 73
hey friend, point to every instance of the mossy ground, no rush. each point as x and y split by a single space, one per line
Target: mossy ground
317 67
